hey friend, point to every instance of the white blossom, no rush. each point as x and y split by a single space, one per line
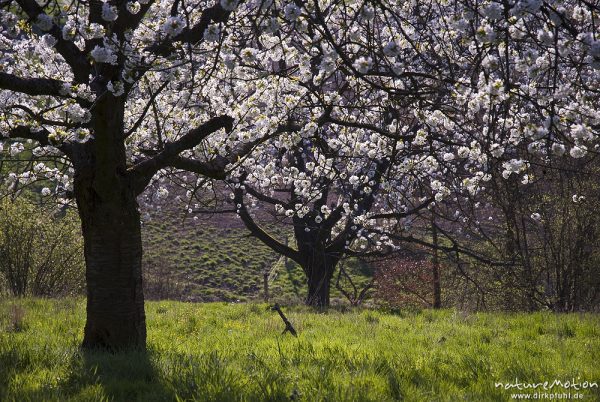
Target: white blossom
363 64
104 55
109 13
173 26
229 5
493 11
291 12
162 193
133 7
93 31
368 12
463 152
249 55
44 22
391 49
69 30
49 40
558 149
116 88
578 151
212 33
448 156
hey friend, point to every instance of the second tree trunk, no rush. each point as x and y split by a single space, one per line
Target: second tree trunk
319 276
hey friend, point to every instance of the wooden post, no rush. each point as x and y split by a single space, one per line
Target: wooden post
435 262
266 286
288 325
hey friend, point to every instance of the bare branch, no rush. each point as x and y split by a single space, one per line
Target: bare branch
259 232
214 169
409 212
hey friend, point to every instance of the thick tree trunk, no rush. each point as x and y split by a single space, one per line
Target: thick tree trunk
319 275
113 255
111 227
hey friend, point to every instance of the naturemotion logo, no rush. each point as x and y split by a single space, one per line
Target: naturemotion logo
573 384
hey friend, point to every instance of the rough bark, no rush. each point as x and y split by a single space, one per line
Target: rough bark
319 273
113 254
106 199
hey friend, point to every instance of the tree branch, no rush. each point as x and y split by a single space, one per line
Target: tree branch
40 119
27 133
31 86
399 215
454 249
142 172
258 232
40 135
214 169
263 197
74 57
364 204
215 13
140 120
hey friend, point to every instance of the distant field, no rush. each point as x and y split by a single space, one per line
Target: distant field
214 259
235 352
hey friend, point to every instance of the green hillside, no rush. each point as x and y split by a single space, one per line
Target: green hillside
214 259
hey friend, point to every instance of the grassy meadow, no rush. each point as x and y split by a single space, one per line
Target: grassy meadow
218 261
236 352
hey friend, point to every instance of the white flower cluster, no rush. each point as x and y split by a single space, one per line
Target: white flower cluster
44 22
353 114
173 26
212 33
363 65
109 13
291 12
229 5
104 55
513 166
93 31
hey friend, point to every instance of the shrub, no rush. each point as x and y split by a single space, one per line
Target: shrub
40 255
404 281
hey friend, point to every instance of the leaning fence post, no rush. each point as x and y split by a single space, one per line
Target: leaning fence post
288 325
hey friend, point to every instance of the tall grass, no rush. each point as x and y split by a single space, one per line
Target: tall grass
235 352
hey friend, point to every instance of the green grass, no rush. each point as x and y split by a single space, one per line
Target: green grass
210 261
288 282
230 352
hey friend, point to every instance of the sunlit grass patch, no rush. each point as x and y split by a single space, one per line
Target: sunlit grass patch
226 351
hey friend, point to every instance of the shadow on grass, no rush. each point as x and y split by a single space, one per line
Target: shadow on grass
7 370
291 271
125 376
39 375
